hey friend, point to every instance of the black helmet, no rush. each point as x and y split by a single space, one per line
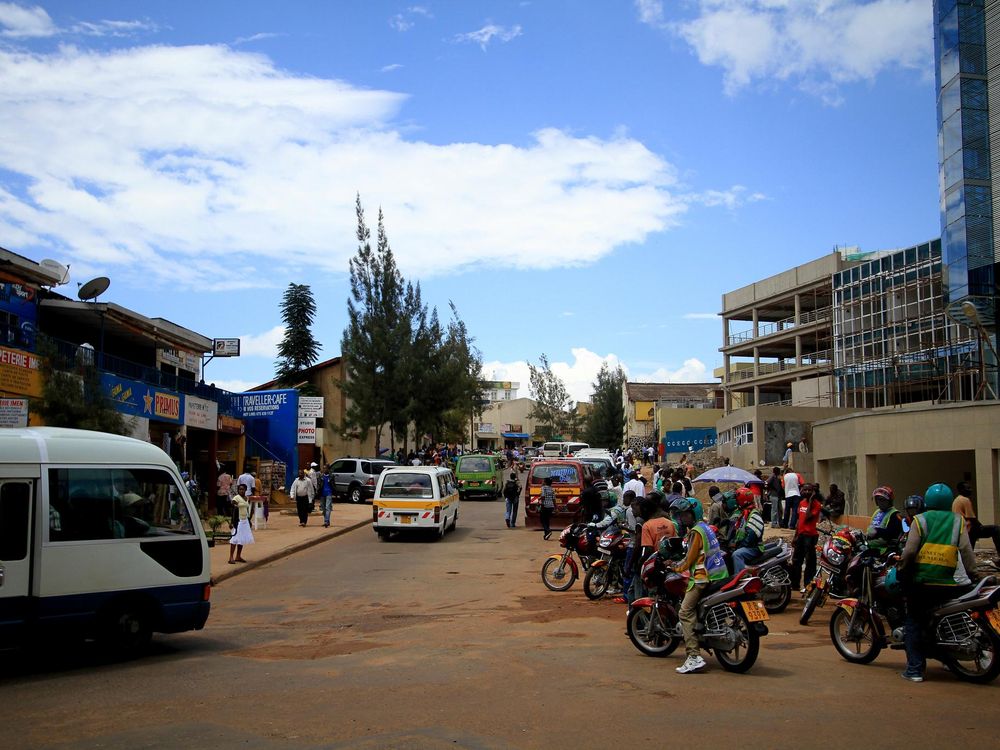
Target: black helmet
915 503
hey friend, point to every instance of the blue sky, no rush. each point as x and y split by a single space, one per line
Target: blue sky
582 179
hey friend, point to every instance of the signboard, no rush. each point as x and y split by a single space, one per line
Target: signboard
20 372
486 427
13 412
230 425
271 422
694 438
200 413
500 385
311 406
226 347
307 431
179 358
21 303
141 400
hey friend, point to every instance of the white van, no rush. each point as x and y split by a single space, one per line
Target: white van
413 499
98 537
562 449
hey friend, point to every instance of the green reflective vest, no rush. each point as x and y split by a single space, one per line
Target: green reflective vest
937 559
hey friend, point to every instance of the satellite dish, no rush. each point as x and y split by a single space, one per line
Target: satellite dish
56 269
94 288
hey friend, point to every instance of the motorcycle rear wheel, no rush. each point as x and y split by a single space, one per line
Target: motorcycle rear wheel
861 648
980 671
555 579
741 658
595 583
778 602
646 631
814 599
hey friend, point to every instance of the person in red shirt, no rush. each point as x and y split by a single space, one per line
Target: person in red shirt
806 535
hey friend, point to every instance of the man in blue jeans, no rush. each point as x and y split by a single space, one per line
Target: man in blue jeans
512 494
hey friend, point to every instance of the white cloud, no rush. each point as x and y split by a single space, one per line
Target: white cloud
233 386
407 19
700 316
259 37
20 22
23 22
172 163
262 344
580 374
692 371
390 68
818 44
488 33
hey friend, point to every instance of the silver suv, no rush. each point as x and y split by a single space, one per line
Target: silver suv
354 478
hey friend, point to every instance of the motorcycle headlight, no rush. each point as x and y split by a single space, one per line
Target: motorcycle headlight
836 558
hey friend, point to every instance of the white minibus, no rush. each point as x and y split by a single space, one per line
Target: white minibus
99 538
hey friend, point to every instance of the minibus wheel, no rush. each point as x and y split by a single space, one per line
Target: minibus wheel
126 629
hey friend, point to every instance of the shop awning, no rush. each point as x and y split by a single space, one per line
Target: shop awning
515 435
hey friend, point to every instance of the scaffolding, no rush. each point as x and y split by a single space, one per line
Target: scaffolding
893 340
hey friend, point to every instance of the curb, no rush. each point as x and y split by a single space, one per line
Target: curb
216 580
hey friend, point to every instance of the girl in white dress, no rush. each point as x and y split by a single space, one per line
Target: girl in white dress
242 534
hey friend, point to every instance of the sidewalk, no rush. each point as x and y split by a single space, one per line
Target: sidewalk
283 536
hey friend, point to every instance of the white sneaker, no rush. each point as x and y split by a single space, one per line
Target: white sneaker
691 664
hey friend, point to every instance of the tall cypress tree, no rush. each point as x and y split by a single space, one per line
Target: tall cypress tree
606 421
298 348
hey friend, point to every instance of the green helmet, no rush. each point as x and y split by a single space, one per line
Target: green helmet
682 504
938 497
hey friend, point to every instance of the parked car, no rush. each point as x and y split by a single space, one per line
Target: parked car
479 476
569 477
412 499
354 478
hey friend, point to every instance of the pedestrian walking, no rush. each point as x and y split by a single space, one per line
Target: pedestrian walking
512 495
314 476
302 492
548 506
326 493
242 535
246 479
223 491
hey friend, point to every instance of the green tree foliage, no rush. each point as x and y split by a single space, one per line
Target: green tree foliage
72 396
402 367
606 421
552 402
298 349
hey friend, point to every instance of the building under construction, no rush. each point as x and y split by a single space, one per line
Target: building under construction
894 339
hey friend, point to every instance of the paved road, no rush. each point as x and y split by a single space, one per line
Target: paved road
421 644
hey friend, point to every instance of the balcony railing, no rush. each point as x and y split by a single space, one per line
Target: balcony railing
68 354
771 327
770 368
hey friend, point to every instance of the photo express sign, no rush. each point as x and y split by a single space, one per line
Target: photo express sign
272 422
141 400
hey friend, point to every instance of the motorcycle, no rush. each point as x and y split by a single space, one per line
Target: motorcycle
730 616
963 633
835 554
607 572
773 569
560 571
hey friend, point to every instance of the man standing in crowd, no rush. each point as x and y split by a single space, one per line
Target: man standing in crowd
775 493
636 485
806 535
246 479
302 492
793 493
223 491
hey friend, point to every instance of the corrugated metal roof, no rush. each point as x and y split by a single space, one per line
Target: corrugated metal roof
669 391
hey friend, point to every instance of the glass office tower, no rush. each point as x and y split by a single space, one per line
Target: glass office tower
965 43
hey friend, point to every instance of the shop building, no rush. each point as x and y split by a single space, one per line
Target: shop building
651 409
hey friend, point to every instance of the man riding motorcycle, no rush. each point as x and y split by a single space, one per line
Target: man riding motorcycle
937 558
887 523
912 508
749 540
704 564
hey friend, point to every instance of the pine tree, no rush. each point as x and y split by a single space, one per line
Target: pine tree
606 421
298 349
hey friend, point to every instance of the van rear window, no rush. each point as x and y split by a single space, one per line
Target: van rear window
478 464
559 474
407 485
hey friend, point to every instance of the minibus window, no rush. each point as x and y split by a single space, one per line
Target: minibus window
115 504
15 501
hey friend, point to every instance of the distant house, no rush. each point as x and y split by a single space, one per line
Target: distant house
654 408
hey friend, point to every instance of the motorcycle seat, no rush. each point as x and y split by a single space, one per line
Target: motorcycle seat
766 555
974 592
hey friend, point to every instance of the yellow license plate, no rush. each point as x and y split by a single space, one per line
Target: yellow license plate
404 519
994 617
755 611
